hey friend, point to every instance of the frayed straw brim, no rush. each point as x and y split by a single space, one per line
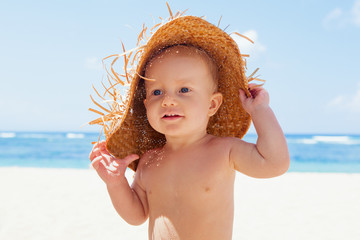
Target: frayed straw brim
125 124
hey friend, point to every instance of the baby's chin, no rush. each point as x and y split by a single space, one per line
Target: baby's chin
174 131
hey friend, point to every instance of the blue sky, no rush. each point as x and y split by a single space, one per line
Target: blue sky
51 51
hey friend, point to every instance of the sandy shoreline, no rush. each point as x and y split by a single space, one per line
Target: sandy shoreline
73 204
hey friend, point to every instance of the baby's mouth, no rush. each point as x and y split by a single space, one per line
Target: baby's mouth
171 116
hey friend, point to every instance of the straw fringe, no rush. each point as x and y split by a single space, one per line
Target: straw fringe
171 15
219 21
243 36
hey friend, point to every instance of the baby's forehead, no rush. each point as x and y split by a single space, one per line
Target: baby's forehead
179 51
185 51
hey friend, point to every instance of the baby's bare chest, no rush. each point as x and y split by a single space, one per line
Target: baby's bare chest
186 177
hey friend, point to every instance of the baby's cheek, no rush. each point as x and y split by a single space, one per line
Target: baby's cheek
152 122
200 108
151 115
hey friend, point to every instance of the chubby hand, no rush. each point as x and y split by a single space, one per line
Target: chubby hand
111 170
259 98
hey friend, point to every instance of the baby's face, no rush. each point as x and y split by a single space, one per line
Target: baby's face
180 100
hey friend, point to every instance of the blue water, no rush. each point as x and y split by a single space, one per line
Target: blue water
309 153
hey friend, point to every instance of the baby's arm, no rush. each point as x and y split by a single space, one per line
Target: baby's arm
129 202
270 156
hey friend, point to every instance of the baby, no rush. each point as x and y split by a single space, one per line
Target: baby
186 186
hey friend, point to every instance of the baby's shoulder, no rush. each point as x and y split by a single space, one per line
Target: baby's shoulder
228 144
226 141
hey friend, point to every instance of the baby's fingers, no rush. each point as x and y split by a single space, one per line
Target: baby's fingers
243 97
98 163
129 159
96 150
94 153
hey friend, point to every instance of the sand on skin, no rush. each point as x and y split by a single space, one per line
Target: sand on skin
73 204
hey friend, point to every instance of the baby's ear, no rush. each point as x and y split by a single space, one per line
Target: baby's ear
145 102
215 103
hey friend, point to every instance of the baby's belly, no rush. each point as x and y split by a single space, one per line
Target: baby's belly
191 217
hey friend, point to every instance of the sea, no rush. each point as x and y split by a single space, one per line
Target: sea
308 152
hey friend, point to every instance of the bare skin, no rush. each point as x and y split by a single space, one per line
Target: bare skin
186 188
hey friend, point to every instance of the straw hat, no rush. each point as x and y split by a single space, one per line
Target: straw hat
125 123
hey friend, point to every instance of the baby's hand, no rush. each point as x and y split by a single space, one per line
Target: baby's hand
111 170
258 100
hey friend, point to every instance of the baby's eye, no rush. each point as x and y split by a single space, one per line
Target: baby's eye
157 92
184 90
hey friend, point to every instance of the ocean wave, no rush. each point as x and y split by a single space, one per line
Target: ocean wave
332 139
75 135
36 135
7 135
347 140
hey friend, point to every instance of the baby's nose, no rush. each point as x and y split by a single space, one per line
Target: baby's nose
168 101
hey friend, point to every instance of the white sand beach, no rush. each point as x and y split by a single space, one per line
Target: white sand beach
73 204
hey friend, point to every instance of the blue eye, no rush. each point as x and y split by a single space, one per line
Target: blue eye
157 92
184 90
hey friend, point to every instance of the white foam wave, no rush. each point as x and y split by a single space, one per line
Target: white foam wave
329 140
35 135
75 135
332 139
7 135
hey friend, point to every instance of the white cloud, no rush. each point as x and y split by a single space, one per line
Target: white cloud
93 63
333 17
245 46
339 17
356 13
349 102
